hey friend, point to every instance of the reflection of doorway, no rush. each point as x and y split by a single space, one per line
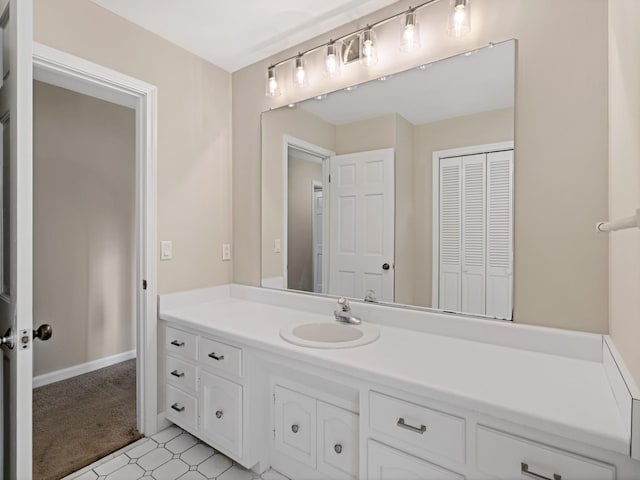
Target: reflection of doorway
305 166
316 235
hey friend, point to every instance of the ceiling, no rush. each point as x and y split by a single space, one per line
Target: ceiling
232 34
461 85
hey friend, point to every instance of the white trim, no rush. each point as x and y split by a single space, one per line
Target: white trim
162 421
435 216
65 373
316 186
77 74
315 150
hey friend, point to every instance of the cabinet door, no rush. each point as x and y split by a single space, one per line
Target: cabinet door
450 235
295 425
385 463
338 450
221 413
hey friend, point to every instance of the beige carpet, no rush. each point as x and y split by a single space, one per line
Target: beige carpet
79 420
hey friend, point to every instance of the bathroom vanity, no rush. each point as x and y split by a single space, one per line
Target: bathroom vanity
433 396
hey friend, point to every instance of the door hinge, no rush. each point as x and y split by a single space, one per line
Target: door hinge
274 398
274 433
329 178
144 284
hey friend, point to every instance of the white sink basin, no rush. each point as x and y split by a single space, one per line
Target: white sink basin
329 334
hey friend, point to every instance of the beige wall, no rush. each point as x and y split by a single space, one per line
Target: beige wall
194 132
624 178
371 134
302 174
302 125
84 227
561 141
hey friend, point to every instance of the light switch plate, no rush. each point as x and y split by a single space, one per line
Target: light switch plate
277 248
166 250
226 251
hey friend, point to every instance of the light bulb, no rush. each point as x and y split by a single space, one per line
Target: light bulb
410 32
273 89
459 17
299 73
332 60
369 51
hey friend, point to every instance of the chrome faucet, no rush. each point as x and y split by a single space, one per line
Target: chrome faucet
343 314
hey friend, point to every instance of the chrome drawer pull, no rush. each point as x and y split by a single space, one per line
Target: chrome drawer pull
177 407
524 470
338 448
177 343
175 373
216 357
219 414
401 423
295 428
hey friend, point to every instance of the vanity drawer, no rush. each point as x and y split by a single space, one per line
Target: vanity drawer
505 456
221 356
338 450
181 343
386 463
418 427
182 408
295 425
181 373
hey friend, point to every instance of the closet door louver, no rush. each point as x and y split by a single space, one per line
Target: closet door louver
449 244
473 233
499 234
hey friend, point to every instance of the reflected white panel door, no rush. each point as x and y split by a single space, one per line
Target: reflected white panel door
450 281
362 213
500 234
473 233
317 238
16 109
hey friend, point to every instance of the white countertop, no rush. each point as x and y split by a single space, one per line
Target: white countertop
559 395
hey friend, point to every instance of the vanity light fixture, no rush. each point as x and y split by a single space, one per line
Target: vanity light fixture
459 17
332 59
299 72
368 47
410 31
273 89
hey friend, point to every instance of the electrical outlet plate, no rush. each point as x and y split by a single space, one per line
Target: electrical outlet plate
166 250
226 251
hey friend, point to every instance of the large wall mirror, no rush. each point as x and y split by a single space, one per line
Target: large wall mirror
399 190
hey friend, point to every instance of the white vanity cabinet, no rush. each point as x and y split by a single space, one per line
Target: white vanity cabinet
321 436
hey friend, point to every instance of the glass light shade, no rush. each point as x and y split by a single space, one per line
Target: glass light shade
459 17
368 47
332 60
409 32
272 87
300 73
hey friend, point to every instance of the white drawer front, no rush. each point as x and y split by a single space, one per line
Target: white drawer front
182 408
420 428
221 412
181 373
385 463
182 343
221 356
507 457
295 425
338 450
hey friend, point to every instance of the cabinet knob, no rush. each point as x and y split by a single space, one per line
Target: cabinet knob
219 414
295 428
338 448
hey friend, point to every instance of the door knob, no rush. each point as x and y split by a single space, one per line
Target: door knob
43 332
385 266
8 339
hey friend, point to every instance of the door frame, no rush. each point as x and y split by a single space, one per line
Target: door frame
73 73
323 155
315 187
435 216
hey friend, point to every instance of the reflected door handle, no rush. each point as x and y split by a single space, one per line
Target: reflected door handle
386 266
43 332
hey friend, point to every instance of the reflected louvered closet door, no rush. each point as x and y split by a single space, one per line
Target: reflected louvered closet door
450 234
473 233
499 234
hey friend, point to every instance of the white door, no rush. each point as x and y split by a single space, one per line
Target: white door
449 276
362 209
317 234
16 112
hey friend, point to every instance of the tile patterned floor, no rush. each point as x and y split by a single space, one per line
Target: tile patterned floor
169 455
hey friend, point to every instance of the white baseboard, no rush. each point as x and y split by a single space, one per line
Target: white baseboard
51 377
